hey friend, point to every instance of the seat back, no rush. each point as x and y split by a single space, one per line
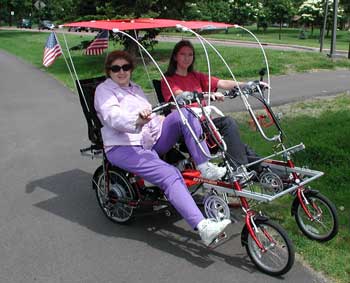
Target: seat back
87 103
158 88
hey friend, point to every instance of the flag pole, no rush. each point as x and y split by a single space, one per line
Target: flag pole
65 59
75 73
143 61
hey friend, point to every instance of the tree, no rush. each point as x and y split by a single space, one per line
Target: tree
21 9
140 8
311 13
243 11
280 12
345 4
262 16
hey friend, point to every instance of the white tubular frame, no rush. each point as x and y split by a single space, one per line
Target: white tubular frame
265 58
243 96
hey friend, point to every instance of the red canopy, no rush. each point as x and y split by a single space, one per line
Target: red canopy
147 23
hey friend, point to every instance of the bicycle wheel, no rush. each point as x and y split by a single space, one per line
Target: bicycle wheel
278 256
115 211
324 225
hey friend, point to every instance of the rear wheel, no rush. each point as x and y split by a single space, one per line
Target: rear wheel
116 211
324 223
277 257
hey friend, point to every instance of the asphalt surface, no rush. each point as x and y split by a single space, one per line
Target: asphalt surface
51 227
298 87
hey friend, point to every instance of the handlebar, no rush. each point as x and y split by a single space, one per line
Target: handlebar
246 89
162 106
255 89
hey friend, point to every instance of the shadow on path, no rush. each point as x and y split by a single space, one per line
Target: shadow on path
76 202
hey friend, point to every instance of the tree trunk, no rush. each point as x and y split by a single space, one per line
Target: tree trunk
280 31
328 29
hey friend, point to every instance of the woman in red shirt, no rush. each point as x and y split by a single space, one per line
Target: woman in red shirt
182 77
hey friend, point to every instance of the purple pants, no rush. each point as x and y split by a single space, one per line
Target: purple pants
148 165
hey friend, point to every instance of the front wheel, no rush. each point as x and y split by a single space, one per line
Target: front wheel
277 256
323 225
116 211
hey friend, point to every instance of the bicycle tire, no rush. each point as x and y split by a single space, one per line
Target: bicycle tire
115 211
278 257
324 227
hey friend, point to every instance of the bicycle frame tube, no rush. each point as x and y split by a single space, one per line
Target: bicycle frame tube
301 197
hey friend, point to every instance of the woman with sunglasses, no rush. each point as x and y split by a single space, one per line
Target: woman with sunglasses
182 77
134 138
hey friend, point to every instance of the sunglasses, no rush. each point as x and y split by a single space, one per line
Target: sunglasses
117 68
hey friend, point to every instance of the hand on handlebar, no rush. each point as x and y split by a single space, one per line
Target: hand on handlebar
247 88
264 85
217 96
188 97
185 97
144 117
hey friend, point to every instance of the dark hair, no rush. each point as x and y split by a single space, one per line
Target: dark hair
118 54
172 62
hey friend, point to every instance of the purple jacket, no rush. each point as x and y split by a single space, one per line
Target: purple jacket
118 109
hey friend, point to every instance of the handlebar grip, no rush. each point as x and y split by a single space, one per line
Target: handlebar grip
233 93
161 106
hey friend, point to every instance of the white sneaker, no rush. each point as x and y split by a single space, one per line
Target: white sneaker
211 171
209 229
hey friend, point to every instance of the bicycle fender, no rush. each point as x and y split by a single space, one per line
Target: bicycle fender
96 173
308 192
245 232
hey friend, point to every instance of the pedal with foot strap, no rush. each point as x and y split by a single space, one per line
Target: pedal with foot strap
221 237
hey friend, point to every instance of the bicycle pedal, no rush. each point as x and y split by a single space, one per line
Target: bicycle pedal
159 207
222 236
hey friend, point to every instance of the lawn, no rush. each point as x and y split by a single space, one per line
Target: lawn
289 36
245 62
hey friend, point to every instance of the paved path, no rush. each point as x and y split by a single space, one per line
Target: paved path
298 87
51 227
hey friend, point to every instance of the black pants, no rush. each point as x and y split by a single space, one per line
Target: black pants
236 149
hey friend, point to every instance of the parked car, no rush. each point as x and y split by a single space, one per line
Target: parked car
78 29
24 23
46 24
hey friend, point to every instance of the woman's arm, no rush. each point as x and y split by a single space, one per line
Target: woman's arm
227 84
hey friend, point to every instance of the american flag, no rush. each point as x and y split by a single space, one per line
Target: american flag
52 50
99 44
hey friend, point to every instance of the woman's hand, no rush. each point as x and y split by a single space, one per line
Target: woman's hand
218 96
264 85
215 96
144 117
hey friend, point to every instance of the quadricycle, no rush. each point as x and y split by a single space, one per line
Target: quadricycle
123 195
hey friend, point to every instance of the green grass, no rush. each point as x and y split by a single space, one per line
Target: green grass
322 125
245 62
288 36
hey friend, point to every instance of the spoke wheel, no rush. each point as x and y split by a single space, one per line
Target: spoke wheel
118 182
216 207
324 223
277 258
